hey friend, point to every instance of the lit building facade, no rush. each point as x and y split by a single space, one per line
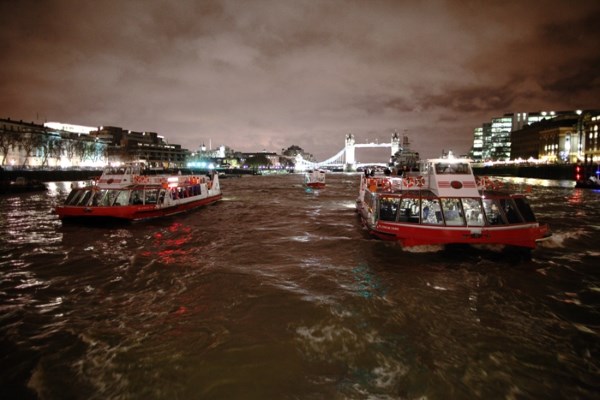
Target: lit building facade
555 145
569 138
29 145
477 149
588 134
551 140
498 144
146 147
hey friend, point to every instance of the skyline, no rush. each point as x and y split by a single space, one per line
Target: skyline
271 74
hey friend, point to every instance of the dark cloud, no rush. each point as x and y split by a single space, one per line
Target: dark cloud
469 100
268 74
580 32
581 80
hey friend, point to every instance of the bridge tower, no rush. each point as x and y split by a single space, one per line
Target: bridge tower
350 160
395 142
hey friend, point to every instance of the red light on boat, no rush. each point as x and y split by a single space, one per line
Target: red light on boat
456 184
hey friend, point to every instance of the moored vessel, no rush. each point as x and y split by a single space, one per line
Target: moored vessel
131 193
21 185
590 183
443 203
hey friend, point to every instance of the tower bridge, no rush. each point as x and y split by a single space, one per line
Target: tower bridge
345 159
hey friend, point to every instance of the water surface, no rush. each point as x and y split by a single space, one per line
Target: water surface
277 292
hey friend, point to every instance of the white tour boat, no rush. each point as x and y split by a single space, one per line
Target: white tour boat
315 179
131 193
444 203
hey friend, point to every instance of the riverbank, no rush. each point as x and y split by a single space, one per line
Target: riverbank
49 175
88 174
544 171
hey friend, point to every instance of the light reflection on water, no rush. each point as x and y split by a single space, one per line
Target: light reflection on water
277 292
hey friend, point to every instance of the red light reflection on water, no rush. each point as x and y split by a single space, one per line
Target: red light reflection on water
576 197
169 246
181 310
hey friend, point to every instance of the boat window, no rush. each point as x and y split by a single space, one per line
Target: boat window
151 196
74 197
122 198
424 168
98 197
110 197
473 213
369 200
85 198
388 207
492 212
161 196
524 208
452 211
431 212
409 210
137 196
451 168
510 210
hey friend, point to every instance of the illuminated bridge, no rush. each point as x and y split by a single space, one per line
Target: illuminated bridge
345 159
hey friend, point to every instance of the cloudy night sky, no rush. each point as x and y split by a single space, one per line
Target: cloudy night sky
263 75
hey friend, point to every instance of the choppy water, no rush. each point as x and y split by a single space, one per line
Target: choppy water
277 293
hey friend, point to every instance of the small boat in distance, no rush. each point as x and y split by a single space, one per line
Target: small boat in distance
21 185
587 176
590 183
315 178
443 203
131 193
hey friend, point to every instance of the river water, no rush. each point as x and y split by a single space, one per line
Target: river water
276 292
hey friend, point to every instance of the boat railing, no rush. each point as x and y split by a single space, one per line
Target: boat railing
487 184
387 183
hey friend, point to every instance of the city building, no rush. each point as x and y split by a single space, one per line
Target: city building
146 147
551 140
565 136
30 145
477 149
57 145
220 157
587 133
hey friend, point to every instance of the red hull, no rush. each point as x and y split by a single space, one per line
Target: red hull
443 203
130 212
522 235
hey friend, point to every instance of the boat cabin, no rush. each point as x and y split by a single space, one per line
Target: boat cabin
443 192
92 196
427 208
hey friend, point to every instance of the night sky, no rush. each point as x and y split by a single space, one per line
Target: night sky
263 75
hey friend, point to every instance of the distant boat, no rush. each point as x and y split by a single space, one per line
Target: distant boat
443 203
132 194
315 179
21 185
591 183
